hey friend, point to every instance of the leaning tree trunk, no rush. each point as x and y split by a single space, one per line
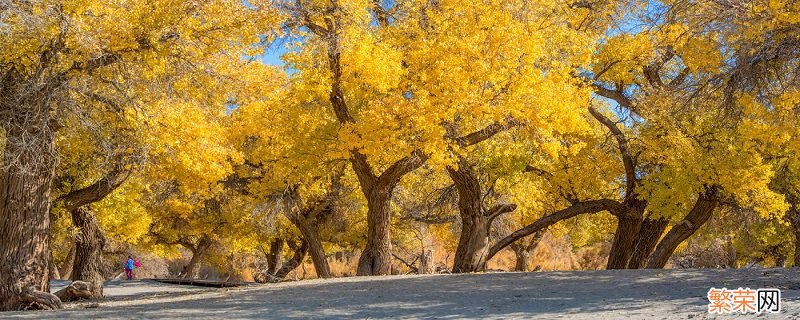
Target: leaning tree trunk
311 236
27 174
523 252
628 225
699 215
649 234
89 244
376 259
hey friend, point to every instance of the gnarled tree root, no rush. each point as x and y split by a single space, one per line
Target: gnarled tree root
40 300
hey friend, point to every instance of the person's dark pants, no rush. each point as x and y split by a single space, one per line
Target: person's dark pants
129 274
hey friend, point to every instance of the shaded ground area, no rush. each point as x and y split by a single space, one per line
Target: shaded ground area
613 294
137 289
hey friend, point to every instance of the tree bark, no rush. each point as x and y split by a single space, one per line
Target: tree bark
649 234
25 180
473 242
89 244
293 263
377 254
66 268
699 215
793 217
275 256
311 236
628 226
76 290
523 252
426 262
198 254
472 251
54 275
795 221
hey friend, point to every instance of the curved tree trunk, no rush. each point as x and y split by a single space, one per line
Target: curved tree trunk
577 208
473 245
25 179
629 224
699 215
649 234
66 268
89 244
293 263
193 268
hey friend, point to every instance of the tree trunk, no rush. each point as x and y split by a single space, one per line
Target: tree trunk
198 254
296 260
628 225
523 252
793 216
699 215
275 257
193 268
648 237
426 262
27 173
376 259
473 243
315 249
89 244
66 268
54 275
731 250
522 258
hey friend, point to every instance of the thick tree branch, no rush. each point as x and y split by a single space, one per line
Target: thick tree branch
499 210
98 190
590 206
403 166
485 133
617 95
622 142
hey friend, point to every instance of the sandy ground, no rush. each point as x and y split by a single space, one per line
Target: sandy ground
595 295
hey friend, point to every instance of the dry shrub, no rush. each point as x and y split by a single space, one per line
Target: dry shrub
715 254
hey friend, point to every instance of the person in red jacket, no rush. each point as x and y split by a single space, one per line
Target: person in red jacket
131 264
